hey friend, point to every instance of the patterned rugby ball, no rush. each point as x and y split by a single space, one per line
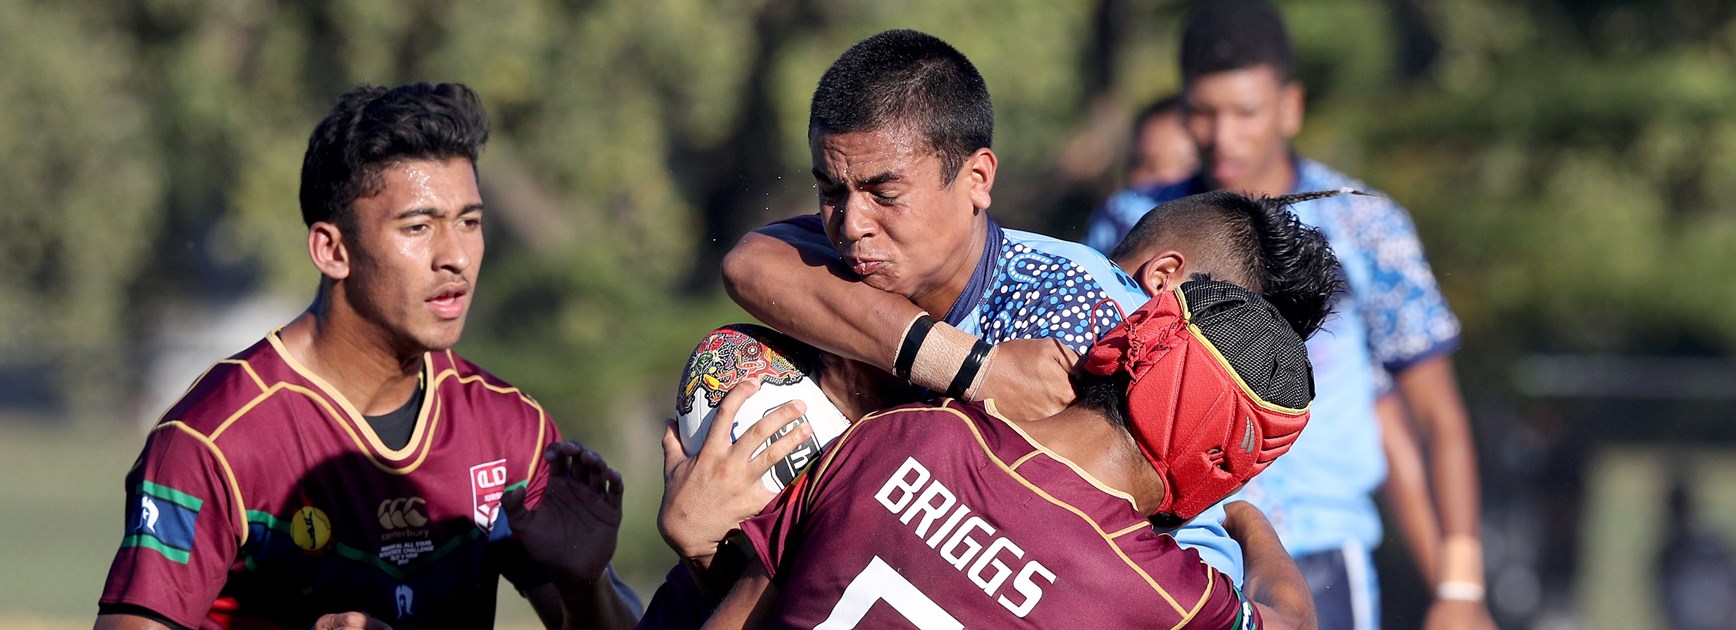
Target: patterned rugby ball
787 369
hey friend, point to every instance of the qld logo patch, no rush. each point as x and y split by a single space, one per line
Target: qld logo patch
487 484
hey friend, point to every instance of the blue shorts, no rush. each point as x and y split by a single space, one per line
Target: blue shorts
1346 594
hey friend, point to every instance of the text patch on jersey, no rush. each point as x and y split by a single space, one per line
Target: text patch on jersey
487 484
161 519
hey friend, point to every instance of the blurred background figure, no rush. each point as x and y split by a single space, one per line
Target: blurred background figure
1696 567
1161 152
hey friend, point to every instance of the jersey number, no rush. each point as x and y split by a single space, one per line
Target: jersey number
880 582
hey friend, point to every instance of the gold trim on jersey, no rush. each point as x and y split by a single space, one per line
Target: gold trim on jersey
247 367
222 461
1187 613
424 425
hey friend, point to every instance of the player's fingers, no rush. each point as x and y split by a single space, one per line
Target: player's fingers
782 448
593 471
513 503
559 464
673 452
617 488
725 418
770 424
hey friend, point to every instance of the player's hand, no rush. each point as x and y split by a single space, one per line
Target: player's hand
349 621
1029 379
708 495
858 388
572 532
1450 614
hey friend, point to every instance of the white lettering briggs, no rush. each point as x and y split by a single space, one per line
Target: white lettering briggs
912 490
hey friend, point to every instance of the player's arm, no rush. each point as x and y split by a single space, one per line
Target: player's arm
1432 394
130 622
1406 489
1271 580
791 278
749 604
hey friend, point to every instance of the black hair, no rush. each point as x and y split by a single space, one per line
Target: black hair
1225 35
1168 105
372 128
903 77
1104 394
1257 244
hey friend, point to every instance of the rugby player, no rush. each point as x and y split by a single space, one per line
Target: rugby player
349 470
1244 104
942 516
899 132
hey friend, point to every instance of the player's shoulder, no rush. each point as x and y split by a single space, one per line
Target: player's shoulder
1061 265
943 429
228 387
455 376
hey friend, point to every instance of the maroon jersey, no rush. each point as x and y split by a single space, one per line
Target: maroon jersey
264 496
941 517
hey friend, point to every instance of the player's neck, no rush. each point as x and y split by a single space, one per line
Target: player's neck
1107 452
939 300
352 355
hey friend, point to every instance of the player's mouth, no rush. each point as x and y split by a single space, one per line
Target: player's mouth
864 267
448 303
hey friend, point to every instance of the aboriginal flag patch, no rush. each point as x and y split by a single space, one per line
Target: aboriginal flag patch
161 519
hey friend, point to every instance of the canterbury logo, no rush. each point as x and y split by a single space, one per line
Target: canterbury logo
401 513
1248 436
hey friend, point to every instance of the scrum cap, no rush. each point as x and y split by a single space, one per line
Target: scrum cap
1220 387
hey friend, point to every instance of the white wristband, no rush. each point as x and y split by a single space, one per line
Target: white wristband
1459 591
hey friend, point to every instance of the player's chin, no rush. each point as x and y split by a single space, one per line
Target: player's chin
440 335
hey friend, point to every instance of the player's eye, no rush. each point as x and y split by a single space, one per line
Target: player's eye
416 228
885 199
470 223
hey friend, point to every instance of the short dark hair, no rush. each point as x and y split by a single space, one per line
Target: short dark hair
1168 105
372 128
903 77
1257 244
1225 35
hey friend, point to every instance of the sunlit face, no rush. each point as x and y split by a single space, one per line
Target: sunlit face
886 207
1163 152
415 249
1243 121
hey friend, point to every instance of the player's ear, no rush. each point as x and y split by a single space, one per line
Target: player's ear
1161 272
329 251
979 174
1290 102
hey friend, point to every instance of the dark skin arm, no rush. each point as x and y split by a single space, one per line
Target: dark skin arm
792 280
1432 393
1270 577
749 604
1407 486
343 621
572 534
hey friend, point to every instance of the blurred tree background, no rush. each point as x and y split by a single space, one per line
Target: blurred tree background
1569 164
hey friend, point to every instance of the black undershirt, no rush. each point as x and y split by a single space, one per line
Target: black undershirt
395 427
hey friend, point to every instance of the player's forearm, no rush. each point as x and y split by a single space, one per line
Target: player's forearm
1270 578
804 292
748 605
596 605
1433 397
1407 486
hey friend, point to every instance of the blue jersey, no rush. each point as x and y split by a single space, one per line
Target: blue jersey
1030 286
1317 495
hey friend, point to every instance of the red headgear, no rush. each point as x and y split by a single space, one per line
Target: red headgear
1196 419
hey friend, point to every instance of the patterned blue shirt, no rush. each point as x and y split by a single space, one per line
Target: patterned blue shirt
1030 286
1318 495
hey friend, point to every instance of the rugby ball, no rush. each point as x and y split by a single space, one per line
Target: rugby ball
786 369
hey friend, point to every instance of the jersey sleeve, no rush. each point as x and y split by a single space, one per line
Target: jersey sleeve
1226 609
182 528
1400 302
